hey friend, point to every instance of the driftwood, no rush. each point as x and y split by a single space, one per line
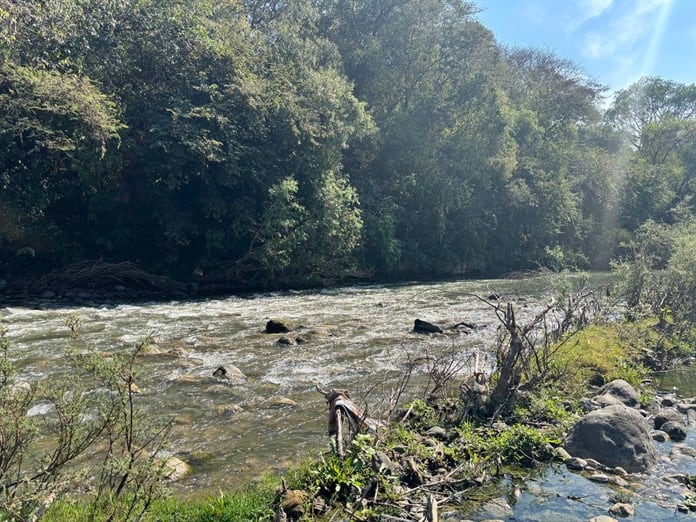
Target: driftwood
100 274
346 419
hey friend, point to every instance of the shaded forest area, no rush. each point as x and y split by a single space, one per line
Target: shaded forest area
264 144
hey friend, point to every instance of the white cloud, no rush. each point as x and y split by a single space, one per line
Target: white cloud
624 32
586 10
595 8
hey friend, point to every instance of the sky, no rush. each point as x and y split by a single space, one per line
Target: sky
616 42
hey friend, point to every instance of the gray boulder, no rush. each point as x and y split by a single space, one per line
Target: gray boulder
675 430
617 391
667 416
615 436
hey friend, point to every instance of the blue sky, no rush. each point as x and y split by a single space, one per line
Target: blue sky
615 42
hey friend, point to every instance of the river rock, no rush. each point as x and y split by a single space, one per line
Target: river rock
659 436
231 374
381 463
594 464
618 481
286 341
691 418
576 464
675 430
603 518
684 407
275 326
621 509
561 454
588 404
223 377
498 508
292 502
616 436
227 410
617 391
279 402
437 432
424 327
666 416
175 469
599 477
667 402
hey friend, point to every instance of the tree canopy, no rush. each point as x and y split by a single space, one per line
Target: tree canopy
243 144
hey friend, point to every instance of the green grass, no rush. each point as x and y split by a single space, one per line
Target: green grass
613 351
254 503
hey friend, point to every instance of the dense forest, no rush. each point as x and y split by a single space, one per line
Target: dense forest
258 144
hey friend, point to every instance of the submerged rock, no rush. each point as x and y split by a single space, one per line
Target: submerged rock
616 436
279 402
227 410
498 508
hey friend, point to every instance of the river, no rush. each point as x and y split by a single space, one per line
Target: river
358 338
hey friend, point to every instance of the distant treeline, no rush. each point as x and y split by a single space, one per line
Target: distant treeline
253 143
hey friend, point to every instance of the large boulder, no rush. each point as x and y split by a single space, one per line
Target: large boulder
617 392
615 436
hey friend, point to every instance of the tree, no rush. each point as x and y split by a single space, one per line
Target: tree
427 71
652 101
54 131
657 117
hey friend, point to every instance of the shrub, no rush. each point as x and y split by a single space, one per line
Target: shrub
91 419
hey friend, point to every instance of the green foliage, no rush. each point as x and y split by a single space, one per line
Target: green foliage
660 274
253 503
260 144
613 351
423 415
517 444
520 444
93 417
543 406
339 479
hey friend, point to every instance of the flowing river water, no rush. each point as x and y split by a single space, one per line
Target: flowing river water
357 338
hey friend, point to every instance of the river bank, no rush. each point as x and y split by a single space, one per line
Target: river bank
97 282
